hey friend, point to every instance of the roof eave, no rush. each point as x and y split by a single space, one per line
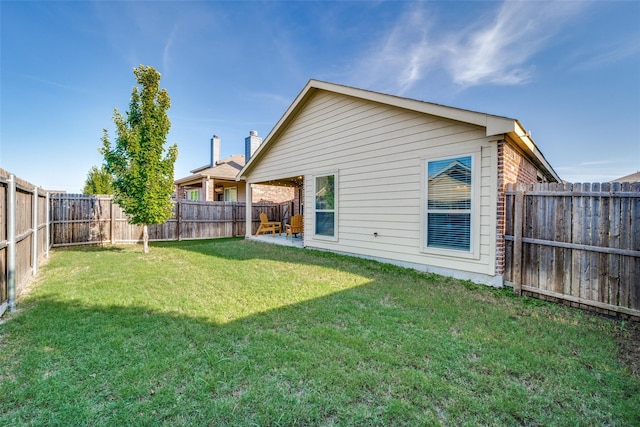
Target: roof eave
524 140
274 131
494 125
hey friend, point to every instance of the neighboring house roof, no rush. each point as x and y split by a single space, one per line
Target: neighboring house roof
494 125
634 177
454 169
225 169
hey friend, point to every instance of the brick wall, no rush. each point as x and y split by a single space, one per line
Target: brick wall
512 167
180 192
260 193
271 193
209 190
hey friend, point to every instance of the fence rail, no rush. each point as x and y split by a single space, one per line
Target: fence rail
23 235
78 219
576 242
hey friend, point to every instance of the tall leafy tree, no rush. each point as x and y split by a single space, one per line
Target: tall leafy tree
99 181
139 162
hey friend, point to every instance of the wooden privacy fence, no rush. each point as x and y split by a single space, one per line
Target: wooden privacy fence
576 242
79 219
23 235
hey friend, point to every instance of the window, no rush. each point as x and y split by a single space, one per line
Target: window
193 195
325 211
449 203
231 194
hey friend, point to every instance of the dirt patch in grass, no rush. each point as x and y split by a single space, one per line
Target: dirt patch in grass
628 338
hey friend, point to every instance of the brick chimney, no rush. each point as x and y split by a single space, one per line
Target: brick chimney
251 144
215 150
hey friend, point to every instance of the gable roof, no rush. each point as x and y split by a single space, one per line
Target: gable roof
494 125
226 169
634 177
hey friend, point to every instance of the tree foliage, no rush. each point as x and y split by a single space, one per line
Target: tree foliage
139 162
99 181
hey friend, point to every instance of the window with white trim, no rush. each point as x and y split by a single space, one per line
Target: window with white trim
231 194
325 205
449 203
193 195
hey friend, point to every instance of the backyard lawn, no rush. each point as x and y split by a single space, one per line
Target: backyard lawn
233 332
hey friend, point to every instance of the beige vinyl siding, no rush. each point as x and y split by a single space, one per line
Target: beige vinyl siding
378 153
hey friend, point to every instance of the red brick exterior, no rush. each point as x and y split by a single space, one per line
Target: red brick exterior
513 167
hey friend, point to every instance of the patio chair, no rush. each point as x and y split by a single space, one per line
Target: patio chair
295 227
268 226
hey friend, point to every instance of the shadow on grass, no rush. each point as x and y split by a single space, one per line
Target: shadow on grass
387 353
241 249
91 248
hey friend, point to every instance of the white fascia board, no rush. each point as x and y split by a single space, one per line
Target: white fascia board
496 125
525 139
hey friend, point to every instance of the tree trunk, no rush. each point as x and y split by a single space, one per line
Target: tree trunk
145 239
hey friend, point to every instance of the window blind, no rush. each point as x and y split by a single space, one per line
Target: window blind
449 203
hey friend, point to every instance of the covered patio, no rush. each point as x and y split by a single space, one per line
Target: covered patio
297 207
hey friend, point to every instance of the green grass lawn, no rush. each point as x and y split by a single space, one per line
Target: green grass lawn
232 332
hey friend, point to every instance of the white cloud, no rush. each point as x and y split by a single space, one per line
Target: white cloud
499 52
598 162
597 171
491 50
404 55
166 52
593 57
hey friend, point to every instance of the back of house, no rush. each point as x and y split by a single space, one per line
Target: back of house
399 180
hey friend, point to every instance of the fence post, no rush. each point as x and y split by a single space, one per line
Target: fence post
11 242
234 219
34 232
48 226
112 212
517 240
178 210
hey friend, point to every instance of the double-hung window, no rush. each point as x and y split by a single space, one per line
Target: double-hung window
449 203
325 205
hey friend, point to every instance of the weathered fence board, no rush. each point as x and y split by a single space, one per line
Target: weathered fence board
23 236
78 219
577 242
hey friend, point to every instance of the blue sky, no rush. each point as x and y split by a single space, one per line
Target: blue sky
569 71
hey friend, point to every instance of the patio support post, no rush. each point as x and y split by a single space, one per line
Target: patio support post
11 242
